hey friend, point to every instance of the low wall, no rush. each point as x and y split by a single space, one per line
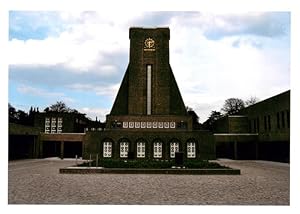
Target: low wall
93 170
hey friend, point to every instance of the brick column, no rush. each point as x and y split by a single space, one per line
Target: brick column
235 150
62 149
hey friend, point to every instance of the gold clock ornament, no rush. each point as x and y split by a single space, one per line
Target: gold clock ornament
149 43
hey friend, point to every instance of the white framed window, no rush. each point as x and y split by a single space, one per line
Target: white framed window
53 125
166 125
107 149
59 124
154 125
124 149
149 125
59 130
160 125
141 149
172 125
47 125
174 147
131 125
157 149
191 149
137 125
125 125
143 125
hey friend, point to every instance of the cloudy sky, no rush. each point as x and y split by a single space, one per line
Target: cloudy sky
81 57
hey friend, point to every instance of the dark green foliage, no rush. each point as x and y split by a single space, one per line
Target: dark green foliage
155 164
197 164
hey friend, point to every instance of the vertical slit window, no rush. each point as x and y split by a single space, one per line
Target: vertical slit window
282 119
250 128
288 118
149 75
265 123
278 120
269 122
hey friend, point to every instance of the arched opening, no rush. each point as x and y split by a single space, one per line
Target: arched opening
191 148
107 146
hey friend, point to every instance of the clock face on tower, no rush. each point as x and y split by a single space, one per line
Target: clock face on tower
149 43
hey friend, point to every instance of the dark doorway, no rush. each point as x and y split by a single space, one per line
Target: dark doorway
71 149
274 151
246 151
225 150
21 147
51 149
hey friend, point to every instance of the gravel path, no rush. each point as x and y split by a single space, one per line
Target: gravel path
38 182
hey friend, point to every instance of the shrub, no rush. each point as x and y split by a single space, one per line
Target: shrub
154 164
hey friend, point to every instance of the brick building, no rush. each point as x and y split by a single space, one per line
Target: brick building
260 131
148 118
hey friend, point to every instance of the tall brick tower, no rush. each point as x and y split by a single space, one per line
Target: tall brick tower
148 89
148 118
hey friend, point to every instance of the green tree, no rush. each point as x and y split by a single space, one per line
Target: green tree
213 117
60 106
232 106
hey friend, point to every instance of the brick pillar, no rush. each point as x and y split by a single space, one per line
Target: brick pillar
256 150
41 155
62 149
235 150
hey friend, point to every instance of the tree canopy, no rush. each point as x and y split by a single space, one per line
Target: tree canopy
214 116
251 101
232 106
60 106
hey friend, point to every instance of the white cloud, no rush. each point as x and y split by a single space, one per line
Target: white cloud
100 113
210 71
102 90
42 93
213 57
81 47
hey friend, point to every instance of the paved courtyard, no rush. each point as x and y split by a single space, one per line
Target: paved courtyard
37 181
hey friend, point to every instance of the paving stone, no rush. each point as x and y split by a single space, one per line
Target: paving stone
39 182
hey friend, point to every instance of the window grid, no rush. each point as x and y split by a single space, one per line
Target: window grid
124 149
191 150
174 147
53 125
141 146
278 120
157 150
265 123
107 149
47 125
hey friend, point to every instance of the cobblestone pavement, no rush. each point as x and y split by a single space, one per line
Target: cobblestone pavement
39 182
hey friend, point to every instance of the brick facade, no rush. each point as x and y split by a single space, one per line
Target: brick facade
149 106
260 131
